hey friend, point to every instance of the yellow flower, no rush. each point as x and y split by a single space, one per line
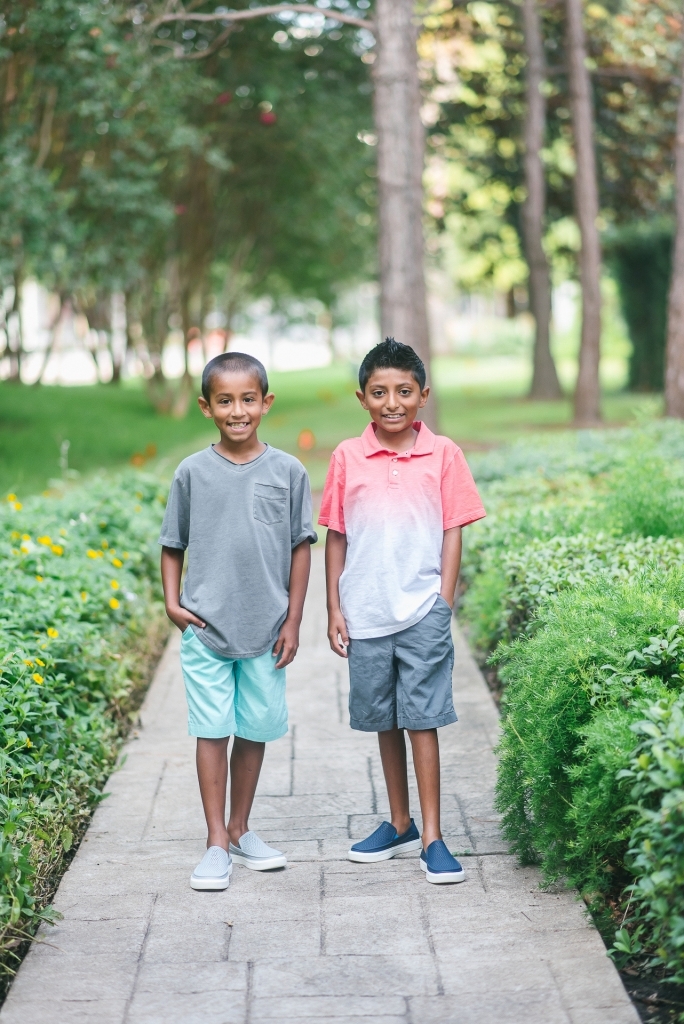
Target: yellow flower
39 662
39 578
125 555
15 535
117 563
114 584
92 554
28 742
46 541
37 678
84 596
57 549
62 532
28 661
137 508
105 544
11 497
26 536
18 506
25 548
52 633
113 603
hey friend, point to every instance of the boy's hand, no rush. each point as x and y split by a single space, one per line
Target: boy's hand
337 633
182 618
287 643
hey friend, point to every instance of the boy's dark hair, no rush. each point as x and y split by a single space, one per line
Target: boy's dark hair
238 362
392 355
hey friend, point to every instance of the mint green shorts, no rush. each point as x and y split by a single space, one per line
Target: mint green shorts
232 696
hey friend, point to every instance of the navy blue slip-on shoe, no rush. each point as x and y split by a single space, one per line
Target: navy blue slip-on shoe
440 866
385 843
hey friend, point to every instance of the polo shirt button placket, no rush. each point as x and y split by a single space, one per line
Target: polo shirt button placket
394 472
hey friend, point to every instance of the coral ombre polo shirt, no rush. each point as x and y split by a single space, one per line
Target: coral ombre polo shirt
394 508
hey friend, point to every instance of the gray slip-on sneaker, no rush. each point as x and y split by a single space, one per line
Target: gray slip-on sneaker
255 854
213 871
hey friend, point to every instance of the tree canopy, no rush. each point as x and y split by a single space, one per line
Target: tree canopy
179 171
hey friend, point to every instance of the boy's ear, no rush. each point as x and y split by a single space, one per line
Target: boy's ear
205 407
424 395
268 401
362 399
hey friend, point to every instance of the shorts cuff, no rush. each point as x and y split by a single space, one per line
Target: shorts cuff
262 737
203 733
365 726
417 724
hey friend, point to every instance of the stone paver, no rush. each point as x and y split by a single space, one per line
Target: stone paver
325 940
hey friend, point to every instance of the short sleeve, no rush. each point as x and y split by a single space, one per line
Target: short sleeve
461 503
332 505
301 513
175 529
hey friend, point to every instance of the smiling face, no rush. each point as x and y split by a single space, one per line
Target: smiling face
236 405
393 398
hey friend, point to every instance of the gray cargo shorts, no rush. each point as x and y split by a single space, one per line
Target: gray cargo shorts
404 679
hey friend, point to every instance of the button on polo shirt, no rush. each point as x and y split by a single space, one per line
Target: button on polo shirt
394 508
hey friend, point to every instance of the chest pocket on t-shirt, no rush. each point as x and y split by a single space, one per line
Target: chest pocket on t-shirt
270 503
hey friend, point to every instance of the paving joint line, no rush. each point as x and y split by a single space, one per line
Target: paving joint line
374 796
153 804
292 760
425 920
249 992
139 962
323 935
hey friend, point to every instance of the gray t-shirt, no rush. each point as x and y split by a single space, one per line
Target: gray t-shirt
239 524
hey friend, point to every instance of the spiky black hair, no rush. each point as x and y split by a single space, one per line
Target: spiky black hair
237 362
392 355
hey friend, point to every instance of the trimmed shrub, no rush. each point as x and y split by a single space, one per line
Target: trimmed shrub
566 722
80 625
656 847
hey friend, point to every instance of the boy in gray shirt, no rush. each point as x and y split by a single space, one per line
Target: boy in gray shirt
242 510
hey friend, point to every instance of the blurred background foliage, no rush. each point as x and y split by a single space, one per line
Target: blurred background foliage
193 173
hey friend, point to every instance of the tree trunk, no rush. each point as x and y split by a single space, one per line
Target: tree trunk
587 392
401 150
544 377
16 353
53 329
674 367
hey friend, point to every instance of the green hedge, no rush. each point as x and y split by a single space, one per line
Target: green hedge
575 590
80 626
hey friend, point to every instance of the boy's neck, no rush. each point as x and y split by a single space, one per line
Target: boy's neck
241 452
399 442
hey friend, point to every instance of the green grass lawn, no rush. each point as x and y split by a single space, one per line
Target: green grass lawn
481 404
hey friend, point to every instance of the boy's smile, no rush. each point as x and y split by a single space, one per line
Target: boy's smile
393 398
236 406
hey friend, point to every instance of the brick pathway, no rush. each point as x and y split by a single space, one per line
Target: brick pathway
325 940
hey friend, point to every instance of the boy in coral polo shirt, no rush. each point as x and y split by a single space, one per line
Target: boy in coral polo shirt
395 501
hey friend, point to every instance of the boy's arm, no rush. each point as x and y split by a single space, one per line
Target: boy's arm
171 573
451 563
288 639
335 555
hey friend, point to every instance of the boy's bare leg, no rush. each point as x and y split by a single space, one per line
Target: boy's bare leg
393 756
245 765
425 746
212 772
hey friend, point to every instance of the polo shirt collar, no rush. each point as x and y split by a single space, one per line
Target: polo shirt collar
425 442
